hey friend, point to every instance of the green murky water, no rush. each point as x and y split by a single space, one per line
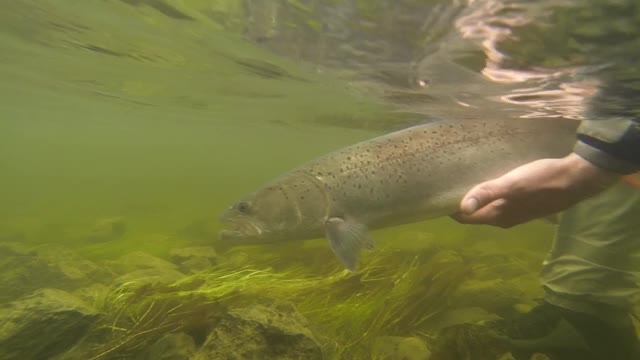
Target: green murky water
128 126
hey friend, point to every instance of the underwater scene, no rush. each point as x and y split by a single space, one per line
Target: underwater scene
140 140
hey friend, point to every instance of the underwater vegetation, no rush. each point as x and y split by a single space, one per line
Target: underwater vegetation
287 301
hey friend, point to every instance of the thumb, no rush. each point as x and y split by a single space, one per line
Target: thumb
483 194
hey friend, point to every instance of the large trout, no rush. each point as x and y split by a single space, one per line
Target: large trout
406 176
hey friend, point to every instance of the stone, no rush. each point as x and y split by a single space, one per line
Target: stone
469 342
81 271
236 258
536 356
17 276
158 276
468 315
108 229
139 268
496 296
523 308
15 249
43 324
179 346
194 259
93 295
528 284
73 267
195 265
400 348
266 332
182 254
139 260
23 271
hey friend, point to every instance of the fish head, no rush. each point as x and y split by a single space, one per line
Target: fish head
292 207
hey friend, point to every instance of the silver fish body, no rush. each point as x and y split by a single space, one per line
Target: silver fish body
406 176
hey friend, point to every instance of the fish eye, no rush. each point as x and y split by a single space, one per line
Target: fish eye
243 207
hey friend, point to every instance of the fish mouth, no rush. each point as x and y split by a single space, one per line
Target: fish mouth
238 229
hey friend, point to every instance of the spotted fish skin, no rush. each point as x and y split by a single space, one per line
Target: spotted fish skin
424 171
406 176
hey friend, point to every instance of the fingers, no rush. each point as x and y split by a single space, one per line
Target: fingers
536 189
484 194
495 213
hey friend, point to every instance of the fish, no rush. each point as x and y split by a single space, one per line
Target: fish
402 177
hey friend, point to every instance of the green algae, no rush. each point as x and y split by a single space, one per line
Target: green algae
401 290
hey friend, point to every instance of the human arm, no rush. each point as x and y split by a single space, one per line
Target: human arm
605 151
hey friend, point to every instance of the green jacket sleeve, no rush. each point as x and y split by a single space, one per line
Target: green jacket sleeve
612 144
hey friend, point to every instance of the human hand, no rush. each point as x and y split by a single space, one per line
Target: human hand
533 190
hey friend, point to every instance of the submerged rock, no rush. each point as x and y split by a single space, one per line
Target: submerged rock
108 229
139 269
149 277
261 332
178 346
468 342
93 295
470 315
139 260
43 324
400 348
495 296
237 258
15 249
23 271
536 356
75 269
528 284
183 254
194 259
17 276
195 265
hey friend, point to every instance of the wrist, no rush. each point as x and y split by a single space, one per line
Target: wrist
591 177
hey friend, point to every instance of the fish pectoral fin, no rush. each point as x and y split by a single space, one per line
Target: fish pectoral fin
347 239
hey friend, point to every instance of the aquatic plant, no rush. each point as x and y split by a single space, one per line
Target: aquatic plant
394 294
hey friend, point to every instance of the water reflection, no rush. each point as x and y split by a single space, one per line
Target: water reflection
415 45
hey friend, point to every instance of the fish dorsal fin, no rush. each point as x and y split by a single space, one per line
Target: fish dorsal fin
347 238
